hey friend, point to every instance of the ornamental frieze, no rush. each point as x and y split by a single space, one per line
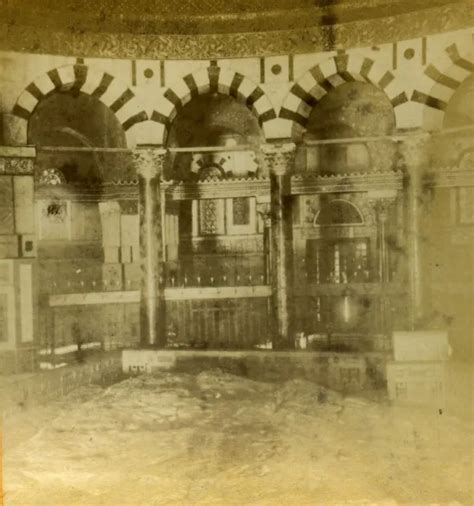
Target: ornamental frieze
16 166
359 33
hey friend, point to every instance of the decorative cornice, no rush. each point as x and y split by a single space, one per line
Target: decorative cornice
245 187
383 182
17 151
360 33
347 183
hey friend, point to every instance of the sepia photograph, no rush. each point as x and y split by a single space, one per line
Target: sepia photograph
236 253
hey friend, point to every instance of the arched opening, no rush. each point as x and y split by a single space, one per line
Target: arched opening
66 120
351 110
71 130
334 258
460 110
339 255
213 120
209 228
213 239
453 147
338 212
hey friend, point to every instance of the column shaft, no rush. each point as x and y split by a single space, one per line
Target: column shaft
280 159
281 262
152 302
415 156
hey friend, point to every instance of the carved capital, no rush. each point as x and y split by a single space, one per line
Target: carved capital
381 208
264 211
149 161
279 158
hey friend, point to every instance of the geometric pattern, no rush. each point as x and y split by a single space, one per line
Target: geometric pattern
333 72
213 79
96 83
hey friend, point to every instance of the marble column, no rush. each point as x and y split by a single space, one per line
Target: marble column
263 210
414 150
279 159
382 209
149 164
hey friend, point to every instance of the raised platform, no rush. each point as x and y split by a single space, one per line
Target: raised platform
344 372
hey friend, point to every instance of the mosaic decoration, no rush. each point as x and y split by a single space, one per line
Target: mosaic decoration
358 33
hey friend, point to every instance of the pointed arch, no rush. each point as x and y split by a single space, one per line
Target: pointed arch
120 99
333 72
213 79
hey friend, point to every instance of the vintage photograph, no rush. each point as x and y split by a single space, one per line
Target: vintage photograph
236 253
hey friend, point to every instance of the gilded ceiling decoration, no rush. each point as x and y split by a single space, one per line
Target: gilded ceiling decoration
218 28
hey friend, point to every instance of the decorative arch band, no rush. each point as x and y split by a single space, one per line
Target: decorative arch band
443 77
322 78
214 79
82 78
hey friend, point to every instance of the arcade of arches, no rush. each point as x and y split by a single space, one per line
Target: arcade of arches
239 203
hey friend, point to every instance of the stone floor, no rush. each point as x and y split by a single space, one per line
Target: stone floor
217 439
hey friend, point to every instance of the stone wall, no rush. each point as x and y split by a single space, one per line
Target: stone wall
342 372
20 392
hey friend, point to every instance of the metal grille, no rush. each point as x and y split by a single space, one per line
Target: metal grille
219 323
208 217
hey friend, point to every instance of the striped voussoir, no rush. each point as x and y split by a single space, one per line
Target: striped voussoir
214 79
439 85
82 78
322 78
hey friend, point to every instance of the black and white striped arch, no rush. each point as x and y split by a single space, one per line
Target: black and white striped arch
213 79
96 83
443 77
333 72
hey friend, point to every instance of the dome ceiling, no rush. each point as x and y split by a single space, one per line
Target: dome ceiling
189 29
201 16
